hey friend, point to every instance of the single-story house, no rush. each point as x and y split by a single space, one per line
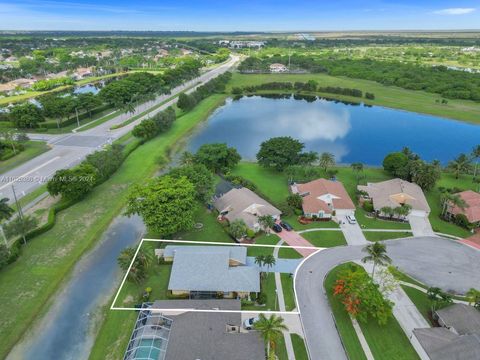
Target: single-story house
472 209
192 335
82 73
204 271
394 193
322 197
458 337
244 204
278 68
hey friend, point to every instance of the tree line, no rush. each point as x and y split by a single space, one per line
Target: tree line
124 93
434 79
308 86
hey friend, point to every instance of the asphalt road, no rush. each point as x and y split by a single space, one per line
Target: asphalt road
433 260
70 149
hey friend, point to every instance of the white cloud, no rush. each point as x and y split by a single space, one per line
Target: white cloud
454 11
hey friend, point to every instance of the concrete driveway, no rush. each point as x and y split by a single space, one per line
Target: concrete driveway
352 232
420 225
433 260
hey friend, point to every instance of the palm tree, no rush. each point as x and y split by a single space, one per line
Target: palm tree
259 260
377 252
449 200
326 160
473 296
387 211
433 294
269 261
266 221
476 157
271 329
187 158
6 210
460 165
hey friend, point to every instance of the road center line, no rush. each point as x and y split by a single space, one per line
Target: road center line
31 171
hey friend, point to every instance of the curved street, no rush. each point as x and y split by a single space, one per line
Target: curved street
435 261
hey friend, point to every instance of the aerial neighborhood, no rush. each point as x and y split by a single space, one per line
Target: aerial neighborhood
244 195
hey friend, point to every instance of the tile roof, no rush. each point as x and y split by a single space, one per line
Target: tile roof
246 205
472 211
318 194
394 193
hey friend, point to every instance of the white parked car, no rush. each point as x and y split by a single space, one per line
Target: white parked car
351 219
248 323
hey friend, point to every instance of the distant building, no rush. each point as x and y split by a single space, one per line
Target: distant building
471 210
306 37
188 335
82 73
278 68
209 271
458 337
246 44
322 197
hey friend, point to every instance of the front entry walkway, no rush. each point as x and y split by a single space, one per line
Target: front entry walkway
293 239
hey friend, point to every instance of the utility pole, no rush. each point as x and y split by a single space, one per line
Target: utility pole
20 215
4 237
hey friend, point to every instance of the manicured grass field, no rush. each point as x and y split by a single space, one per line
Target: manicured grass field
380 236
48 259
32 149
268 287
288 293
211 231
299 347
281 349
286 252
388 96
375 223
385 341
325 238
264 239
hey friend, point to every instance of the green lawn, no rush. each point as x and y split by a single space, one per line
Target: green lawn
325 238
264 239
212 230
48 259
286 252
387 342
380 236
288 292
270 183
32 149
268 287
374 223
299 347
388 96
281 349
157 278
420 300
292 220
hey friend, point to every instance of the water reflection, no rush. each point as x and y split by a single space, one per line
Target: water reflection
351 131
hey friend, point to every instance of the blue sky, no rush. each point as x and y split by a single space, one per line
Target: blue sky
238 15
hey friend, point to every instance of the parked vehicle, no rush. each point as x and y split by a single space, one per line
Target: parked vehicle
277 228
248 323
286 226
351 219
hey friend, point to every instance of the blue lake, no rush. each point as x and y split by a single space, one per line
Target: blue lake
353 133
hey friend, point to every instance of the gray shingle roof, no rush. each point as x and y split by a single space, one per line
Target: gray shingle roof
246 205
443 344
463 318
204 336
206 268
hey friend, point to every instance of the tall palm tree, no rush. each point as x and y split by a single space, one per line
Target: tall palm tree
266 221
271 329
476 157
357 168
452 199
387 211
473 296
326 160
460 165
259 260
269 261
377 252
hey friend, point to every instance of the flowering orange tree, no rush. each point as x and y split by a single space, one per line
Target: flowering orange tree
361 296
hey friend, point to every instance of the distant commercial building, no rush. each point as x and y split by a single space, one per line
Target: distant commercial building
278 68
